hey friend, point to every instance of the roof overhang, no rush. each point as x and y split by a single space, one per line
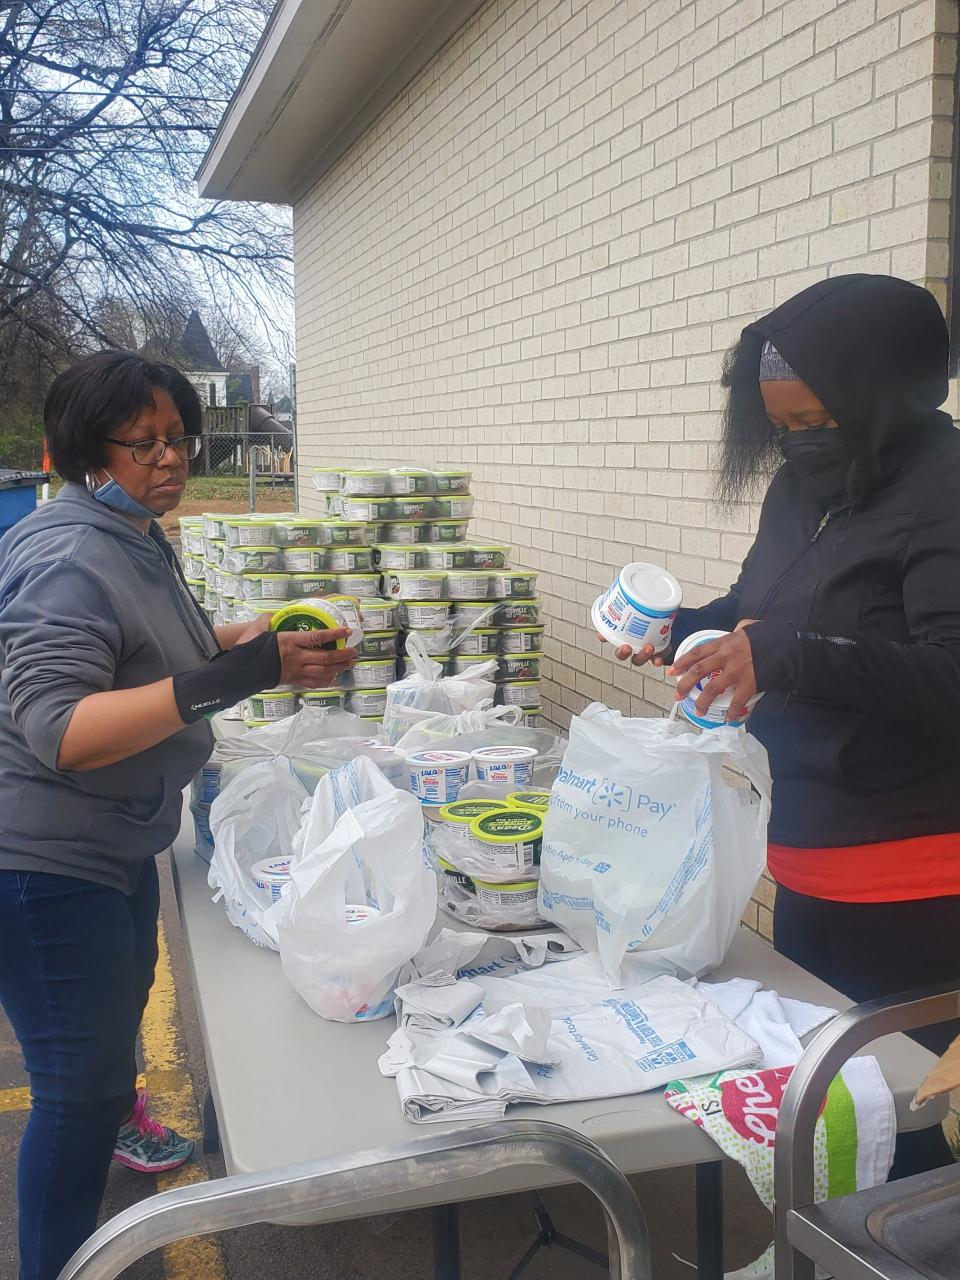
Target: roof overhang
321 74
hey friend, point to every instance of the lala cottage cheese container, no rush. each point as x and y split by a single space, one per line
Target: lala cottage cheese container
717 711
436 777
638 608
508 764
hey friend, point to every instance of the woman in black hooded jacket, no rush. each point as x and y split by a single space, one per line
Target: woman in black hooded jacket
846 617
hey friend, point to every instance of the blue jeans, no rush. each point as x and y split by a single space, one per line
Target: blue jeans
76 964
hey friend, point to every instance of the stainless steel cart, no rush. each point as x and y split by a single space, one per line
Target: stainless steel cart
906 1230
288 1193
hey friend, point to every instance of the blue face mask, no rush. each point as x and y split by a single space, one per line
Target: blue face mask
115 497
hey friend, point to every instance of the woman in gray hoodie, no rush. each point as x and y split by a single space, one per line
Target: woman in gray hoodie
109 672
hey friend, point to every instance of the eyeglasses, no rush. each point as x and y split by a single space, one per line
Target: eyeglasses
149 452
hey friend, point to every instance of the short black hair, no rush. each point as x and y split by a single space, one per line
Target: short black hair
96 396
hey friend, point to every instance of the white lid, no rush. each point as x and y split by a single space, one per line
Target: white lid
651 585
438 757
505 753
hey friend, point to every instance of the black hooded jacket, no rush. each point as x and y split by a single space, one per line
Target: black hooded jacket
857 647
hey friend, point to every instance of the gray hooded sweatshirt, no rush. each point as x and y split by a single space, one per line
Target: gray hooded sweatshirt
89 603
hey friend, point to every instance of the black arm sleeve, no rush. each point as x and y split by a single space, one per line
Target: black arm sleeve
234 674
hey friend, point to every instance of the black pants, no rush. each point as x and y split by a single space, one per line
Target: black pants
872 949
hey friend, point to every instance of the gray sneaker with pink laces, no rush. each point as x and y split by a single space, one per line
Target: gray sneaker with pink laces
146 1145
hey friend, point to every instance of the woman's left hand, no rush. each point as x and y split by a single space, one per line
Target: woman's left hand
728 662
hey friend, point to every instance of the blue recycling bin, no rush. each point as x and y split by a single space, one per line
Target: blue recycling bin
18 495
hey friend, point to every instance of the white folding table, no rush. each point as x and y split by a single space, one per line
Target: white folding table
286 1086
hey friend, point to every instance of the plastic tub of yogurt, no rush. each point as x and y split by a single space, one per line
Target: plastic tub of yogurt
215 549
520 693
458 506
413 507
414 584
250 531
447 531
325 478
366 509
525 639
270 877
323 697
519 666
442 556
717 711
379 644
343 533
429 614
231 584
266 586
367 702
508 906
461 663
469 613
436 777
470 584
192 566
371 673
461 813
405 532
434 639
484 640
514 584
489 555
511 838
452 481
376 614
319 615
407 667
367 481
358 585
398 556
405 480
213 524
305 559
349 560
197 589
299 532
638 608
272 704
517 613
508 765
304 585
254 560
192 541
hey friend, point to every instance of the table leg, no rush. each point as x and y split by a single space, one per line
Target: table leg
446 1242
710 1221
211 1126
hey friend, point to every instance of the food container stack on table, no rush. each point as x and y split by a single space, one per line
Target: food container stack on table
395 541
486 852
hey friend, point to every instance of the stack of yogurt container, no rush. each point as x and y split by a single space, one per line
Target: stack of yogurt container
395 542
486 852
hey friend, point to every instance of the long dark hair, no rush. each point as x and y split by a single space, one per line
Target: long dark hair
748 448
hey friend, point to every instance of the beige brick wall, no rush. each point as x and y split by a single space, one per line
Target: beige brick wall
532 263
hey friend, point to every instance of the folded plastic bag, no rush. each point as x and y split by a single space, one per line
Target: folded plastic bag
362 899
654 840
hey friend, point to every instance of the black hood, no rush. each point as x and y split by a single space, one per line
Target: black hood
874 350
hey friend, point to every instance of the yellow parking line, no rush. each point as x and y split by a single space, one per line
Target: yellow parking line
14 1100
173 1100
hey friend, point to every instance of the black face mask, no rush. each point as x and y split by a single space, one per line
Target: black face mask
818 457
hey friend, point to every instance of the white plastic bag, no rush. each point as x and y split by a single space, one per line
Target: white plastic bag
256 816
654 840
428 728
428 690
362 899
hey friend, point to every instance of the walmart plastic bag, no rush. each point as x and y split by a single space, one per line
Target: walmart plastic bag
427 691
654 840
256 817
362 899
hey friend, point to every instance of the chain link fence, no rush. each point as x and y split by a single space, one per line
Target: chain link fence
231 454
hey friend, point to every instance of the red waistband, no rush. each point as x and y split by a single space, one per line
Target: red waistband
891 871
